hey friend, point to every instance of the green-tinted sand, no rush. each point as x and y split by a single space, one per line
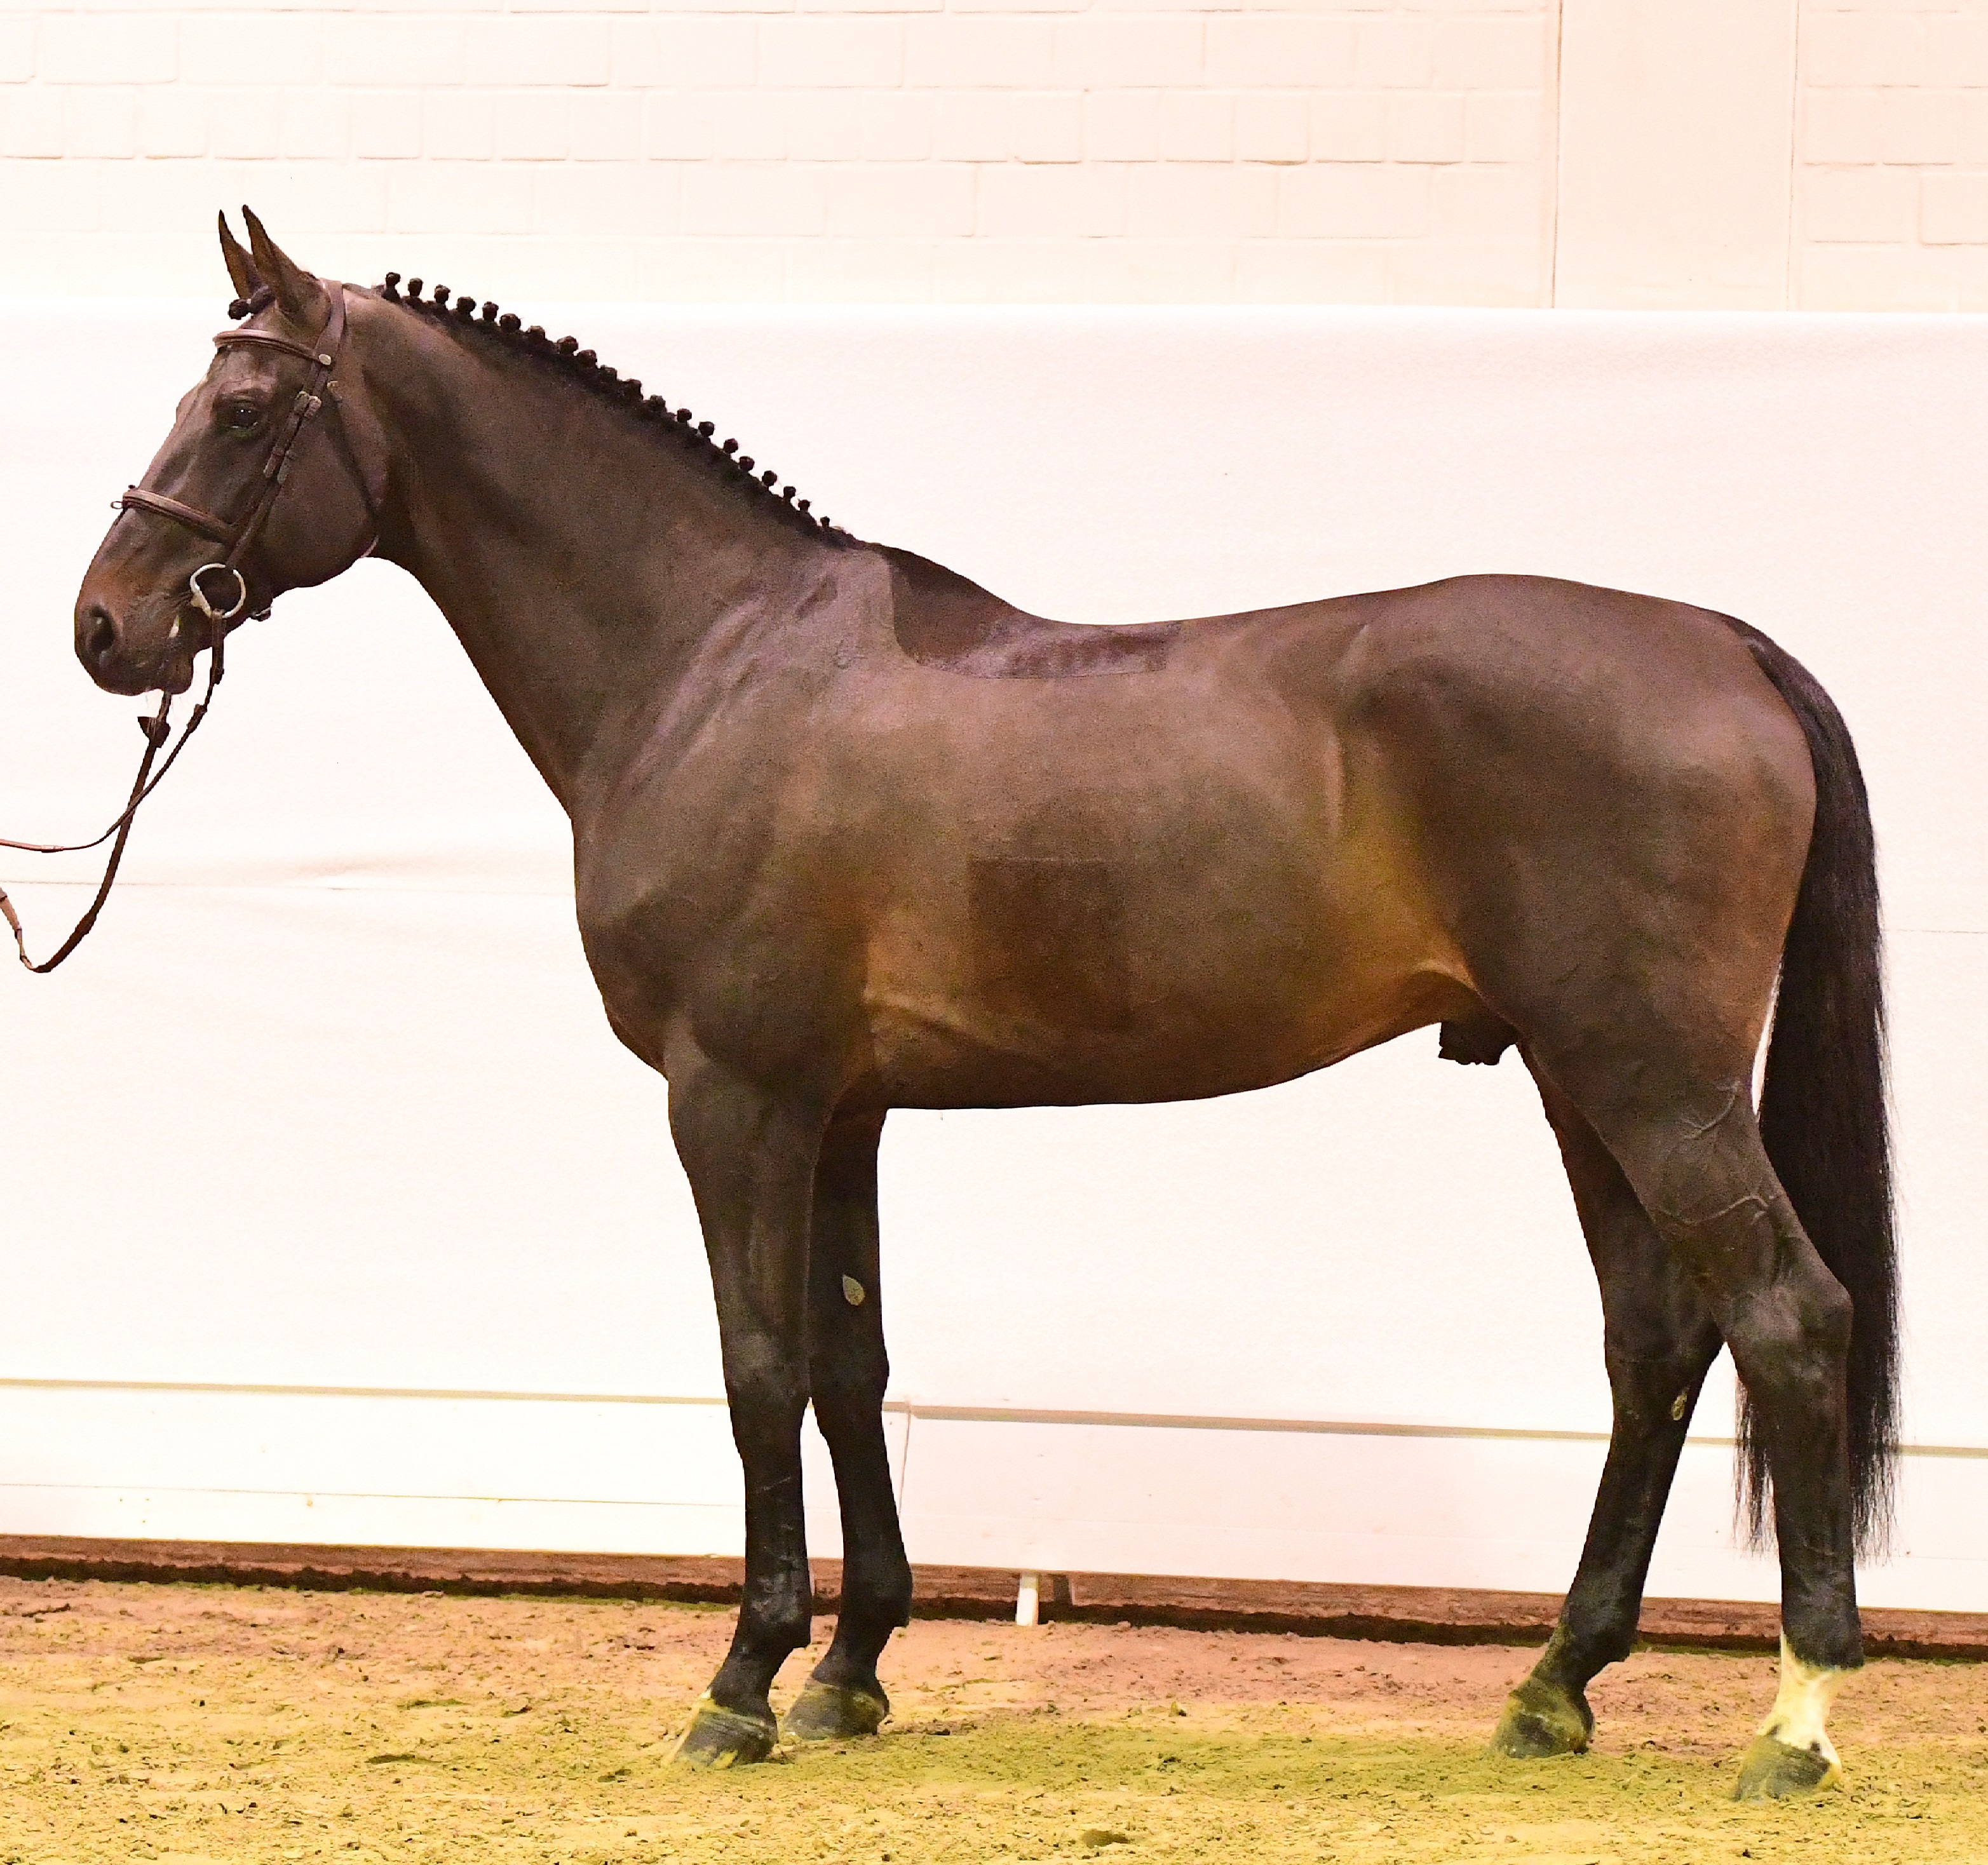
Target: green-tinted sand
192 1724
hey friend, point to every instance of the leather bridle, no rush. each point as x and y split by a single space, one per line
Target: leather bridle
239 537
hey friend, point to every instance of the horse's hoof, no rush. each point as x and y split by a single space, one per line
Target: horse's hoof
833 1712
719 1737
1541 1719
1772 1770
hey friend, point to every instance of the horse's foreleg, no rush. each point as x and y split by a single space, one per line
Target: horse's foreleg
1659 1340
750 1158
847 1372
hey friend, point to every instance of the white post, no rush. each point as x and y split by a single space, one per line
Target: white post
1028 1600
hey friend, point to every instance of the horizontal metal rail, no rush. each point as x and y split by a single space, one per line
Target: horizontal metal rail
911 1408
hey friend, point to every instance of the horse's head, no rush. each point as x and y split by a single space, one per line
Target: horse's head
271 479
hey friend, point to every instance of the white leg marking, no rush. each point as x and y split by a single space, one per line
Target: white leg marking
1802 1708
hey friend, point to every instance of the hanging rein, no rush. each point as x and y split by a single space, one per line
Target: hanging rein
239 538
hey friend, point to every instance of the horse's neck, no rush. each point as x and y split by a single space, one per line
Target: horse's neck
583 559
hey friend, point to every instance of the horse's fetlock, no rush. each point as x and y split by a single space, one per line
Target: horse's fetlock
1587 1657
882 1599
783 1628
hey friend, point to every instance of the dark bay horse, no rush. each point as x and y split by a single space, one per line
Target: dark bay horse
851 834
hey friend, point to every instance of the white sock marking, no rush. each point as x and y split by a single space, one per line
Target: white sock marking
1802 1707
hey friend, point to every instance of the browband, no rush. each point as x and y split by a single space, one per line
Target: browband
308 352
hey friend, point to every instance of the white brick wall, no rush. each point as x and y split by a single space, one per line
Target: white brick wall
1358 150
1362 151
1891 209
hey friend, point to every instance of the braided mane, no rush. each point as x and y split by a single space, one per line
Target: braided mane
581 366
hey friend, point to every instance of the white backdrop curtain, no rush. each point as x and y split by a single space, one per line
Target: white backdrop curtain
334 1213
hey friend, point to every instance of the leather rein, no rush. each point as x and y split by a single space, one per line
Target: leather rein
239 538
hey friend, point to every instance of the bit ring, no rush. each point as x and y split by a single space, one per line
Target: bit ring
200 596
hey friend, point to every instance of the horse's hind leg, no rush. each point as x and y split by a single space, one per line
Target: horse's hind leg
847 1374
1659 1340
1687 1143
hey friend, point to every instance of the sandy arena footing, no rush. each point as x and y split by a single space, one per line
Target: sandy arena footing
232 1726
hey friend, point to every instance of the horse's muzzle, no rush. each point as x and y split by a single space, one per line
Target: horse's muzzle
106 656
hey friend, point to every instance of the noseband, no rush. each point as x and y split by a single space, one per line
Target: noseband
239 538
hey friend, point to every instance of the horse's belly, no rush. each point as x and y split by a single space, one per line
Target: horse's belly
1055 986
921 1062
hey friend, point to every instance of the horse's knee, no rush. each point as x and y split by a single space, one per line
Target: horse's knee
1651 1390
766 1432
847 1381
846 1406
760 1363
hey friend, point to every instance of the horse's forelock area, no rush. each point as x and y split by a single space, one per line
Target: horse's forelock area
201 1723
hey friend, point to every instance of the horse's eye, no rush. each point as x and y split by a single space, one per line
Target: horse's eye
243 416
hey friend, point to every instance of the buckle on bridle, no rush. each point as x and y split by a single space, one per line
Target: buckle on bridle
200 597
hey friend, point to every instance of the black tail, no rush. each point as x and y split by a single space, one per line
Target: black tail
1824 1107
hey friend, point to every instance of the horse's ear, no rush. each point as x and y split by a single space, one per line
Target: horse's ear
300 295
241 267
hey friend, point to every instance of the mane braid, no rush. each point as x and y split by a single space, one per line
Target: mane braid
581 367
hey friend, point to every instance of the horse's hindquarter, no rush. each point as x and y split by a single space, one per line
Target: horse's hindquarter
1607 804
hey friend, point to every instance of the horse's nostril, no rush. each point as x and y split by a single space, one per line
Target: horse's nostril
99 634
